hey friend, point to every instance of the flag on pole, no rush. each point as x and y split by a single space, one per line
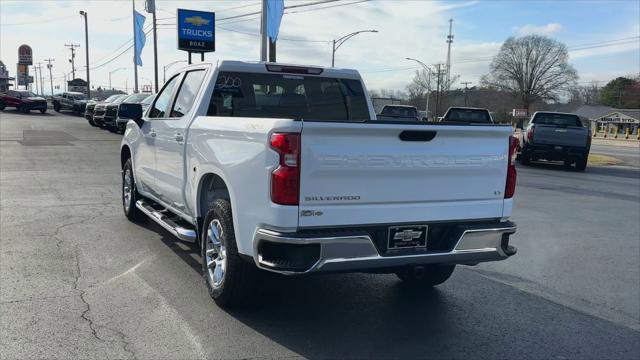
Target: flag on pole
275 10
138 32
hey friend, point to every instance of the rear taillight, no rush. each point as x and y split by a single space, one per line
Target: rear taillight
530 134
285 180
510 187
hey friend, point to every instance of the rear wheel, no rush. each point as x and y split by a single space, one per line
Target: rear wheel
525 159
2 106
427 275
25 109
581 164
229 278
56 107
130 194
42 111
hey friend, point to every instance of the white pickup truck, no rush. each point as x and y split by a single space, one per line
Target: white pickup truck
284 168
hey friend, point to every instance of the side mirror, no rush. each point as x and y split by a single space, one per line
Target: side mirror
131 111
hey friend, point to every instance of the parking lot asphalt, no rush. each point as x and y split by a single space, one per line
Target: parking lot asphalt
77 280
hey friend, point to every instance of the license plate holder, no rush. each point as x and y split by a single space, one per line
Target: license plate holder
407 237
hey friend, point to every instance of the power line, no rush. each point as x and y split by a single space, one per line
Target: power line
608 43
39 21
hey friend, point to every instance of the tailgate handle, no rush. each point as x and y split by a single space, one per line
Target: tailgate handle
417 135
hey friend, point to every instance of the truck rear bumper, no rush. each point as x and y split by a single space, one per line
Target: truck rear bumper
300 253
555 152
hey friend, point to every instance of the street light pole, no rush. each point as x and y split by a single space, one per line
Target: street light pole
338 42
86 49
111 72
428 70
164 69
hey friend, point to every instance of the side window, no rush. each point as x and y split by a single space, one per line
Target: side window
161 104
187 93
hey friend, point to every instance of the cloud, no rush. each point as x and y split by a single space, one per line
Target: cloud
540 30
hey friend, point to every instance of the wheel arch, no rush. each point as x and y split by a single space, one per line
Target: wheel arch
125 154
210 188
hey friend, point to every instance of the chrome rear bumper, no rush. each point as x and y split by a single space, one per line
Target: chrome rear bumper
473 244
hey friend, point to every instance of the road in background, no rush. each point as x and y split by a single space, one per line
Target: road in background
578 239
77 280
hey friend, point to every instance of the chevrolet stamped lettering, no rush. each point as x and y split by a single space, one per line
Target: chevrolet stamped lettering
405 161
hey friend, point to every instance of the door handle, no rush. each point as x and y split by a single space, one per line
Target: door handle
179 137
152 133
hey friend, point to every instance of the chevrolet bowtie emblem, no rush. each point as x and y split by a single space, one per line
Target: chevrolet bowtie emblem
407 235
197 21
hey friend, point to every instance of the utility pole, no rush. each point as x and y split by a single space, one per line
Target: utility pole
263 32
465 83
135 46
439 74
86 49
449 41
41 82
35 73
73 47
49 66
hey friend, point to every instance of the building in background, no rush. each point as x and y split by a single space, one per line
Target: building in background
618 121
4 78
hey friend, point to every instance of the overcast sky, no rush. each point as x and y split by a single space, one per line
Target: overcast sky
604 36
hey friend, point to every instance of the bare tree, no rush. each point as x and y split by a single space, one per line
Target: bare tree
533 68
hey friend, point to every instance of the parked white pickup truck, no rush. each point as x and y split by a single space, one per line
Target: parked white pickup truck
284 168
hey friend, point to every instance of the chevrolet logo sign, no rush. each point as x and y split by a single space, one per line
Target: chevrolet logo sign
197 21
407 235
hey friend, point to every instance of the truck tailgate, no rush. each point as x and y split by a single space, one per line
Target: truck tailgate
565 136
364 173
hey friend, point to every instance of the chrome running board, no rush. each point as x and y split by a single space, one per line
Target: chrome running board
179 231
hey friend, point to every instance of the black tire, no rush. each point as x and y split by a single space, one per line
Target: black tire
42 111
56 107
25 109
2 106
130 210
581 165
92 123
567 164
525 159
427 275
238 276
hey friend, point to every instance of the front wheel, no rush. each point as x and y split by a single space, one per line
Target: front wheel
56 107
228 277
130 194
427 275
42 111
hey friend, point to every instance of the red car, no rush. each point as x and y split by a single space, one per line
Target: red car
23 100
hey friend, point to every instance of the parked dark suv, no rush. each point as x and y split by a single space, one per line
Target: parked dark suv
100 110
111 112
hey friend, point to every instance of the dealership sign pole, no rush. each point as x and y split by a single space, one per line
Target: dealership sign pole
25 58
196 32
